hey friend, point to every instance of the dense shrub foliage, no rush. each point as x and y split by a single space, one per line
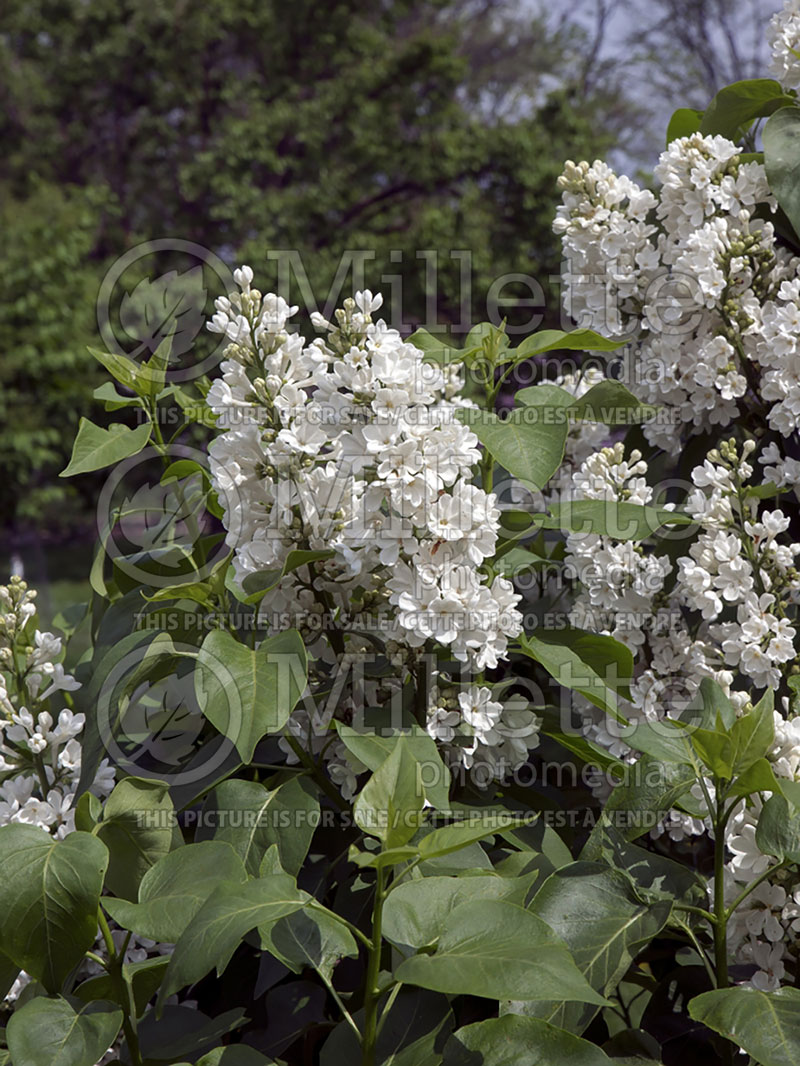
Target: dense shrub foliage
414 732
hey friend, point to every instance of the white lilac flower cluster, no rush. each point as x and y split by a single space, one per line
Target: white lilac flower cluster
741 560
40 745
40 753
727 610
480 733
697 281
624 592
695 278
349 445
784 39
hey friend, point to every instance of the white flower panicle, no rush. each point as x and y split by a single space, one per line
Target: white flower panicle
477 731
727 610
40 738
784 39
696 279
40 751
349 445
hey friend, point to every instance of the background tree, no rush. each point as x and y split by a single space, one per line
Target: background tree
419 125
46 321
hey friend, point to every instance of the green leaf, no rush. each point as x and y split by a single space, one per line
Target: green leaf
311 937
99 700
610 402
760 777
113 400
633 1047
251 819
528 449
657 878
412 1027
727 745
247 693
765 1024
230 912
778 830
497 950
173 891
49 893
648 790
87 812
607 401
62 1032
545 395
548 340
196 591
143 977
715 750
151 376
120 367
753 734
517 561
739 104
96 447
450 838
595 912
437 349
180 1032
415 911
684 122
781 136
372 750
610 518
597 666
714 710
9 971
390 804
516 1041
137 826
484 332
664 740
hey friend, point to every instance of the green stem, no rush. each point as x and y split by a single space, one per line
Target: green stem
388 1006
699 911
399 877
698 947
720 912
348 1017
496 386
44 785
420 693
371 992
124 991
487 472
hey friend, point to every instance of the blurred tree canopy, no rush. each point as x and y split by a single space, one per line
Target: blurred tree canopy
250 127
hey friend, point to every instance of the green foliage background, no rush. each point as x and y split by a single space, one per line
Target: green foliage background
249 127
